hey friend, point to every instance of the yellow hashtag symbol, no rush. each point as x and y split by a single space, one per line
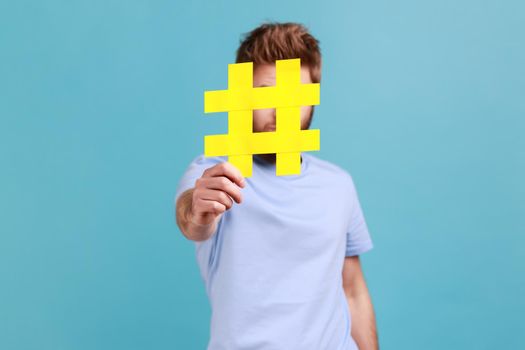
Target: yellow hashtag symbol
241 98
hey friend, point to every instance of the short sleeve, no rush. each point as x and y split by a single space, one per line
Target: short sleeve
358 238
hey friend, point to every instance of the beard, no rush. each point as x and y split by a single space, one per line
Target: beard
271 157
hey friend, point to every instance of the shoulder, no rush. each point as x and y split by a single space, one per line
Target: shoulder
202 159
201 163
331 170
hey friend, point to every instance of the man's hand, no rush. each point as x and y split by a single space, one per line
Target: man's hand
214 191
200 208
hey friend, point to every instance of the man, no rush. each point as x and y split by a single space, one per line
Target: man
279 255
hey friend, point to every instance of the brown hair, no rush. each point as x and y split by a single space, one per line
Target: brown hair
278 41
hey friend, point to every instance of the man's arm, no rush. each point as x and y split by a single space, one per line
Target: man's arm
361 309
199 209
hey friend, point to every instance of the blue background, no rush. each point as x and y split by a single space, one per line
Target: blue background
101 111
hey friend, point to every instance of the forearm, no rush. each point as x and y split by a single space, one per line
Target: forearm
190 230
363 320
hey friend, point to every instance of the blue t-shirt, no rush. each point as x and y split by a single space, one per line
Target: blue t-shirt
273 267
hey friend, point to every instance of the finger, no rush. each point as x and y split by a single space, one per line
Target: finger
210 206
226 169
217 195
224 184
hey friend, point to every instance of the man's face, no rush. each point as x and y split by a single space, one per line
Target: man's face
264 119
